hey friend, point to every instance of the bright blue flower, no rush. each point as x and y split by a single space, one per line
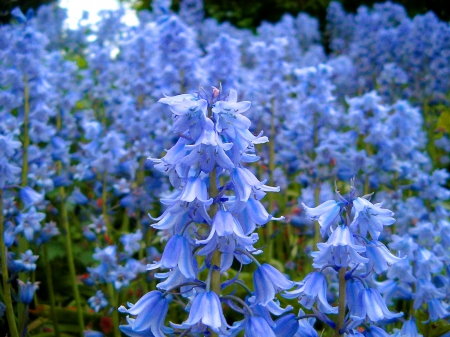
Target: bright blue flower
88 234
10 234
371 305
225 224
98 301
380 258
8 173
370 218
437 309
151 311
267 282
26 291
121 277
27 261
178 252
312 288
207 309
286 325
340 250
256 326
327 214
47 232
131 242
374 331
29 223
30 197
409 328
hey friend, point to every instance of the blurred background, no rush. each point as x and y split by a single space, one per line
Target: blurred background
248 14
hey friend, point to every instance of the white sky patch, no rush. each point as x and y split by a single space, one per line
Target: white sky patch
75 10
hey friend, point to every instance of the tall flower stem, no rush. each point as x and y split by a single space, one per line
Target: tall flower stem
70 260
113 299
68 238
5 277
342 304
23 327
105 206
23 243
26 136
48 275
215 260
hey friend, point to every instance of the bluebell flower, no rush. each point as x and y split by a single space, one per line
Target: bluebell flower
98 301
404 244
27 261
245 183
29 223
225 224
371 305
409 328
178 252
353 287
30 197
257 326
374 331
380 258
121 276
151 311
131 242
78 197
8 146
370 218
47 232
10 234
267 282
26 291
437 309
313 288
326 213
88 234
306 326
8 173
286 325
99 225
340 250
207 309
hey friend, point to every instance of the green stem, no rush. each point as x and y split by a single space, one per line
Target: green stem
70 260
48 275
342 304
24 321
23 243
69 250
104 206
26 136
215 260
113 299
5 277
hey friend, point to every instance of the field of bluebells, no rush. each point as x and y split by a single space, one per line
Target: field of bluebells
135 163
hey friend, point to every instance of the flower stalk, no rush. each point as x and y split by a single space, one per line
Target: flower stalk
5 277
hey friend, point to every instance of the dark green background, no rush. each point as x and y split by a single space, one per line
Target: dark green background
251 12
